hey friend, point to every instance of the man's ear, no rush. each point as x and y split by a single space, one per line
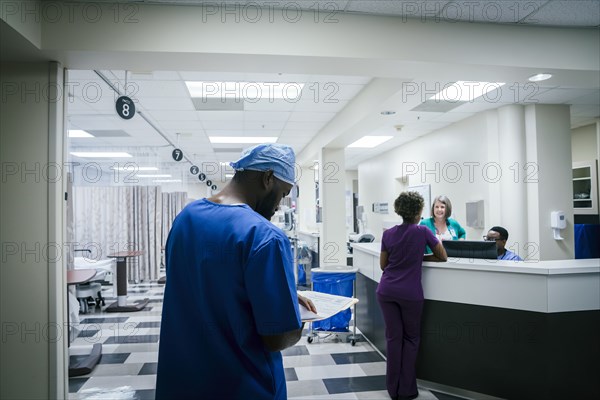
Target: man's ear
268 179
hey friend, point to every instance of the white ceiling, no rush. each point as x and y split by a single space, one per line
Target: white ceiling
347 106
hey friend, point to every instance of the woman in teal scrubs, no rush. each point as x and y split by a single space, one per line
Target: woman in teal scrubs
440 223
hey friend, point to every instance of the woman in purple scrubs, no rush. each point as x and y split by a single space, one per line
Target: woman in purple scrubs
400 293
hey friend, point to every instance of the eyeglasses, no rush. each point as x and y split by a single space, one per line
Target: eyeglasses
490 239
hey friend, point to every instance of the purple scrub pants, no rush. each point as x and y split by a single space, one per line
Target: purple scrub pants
402 333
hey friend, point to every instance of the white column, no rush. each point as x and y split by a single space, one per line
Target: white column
548 140
516 175
332 199
306 207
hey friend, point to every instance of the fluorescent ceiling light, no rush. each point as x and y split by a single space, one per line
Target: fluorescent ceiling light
245 90
153 176
540 77
166 180
368 142
131 167
465 90
100 154
242 139
78 133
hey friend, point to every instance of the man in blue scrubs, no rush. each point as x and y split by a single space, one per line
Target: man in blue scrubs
230 303
500 236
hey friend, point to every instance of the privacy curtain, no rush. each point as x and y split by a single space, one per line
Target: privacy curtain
112 219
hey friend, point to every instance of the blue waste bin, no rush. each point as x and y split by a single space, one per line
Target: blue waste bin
338 283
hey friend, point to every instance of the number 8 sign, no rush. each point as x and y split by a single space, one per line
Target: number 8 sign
125 107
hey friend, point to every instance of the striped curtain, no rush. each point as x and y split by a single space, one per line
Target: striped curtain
123 218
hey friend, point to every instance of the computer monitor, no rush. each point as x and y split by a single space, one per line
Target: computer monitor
470 249
288 219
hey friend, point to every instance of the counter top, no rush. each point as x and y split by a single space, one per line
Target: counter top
548 267
542 286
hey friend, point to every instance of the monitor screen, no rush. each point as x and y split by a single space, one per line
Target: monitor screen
470 249
288 224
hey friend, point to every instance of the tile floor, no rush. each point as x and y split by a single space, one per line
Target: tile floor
327 368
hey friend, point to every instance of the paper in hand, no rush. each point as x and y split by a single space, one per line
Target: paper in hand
327 305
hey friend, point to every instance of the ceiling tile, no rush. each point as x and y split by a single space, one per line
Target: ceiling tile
567 13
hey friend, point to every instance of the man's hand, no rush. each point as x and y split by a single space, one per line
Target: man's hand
307 303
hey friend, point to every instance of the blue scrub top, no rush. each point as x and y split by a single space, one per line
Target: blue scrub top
229 280
510 256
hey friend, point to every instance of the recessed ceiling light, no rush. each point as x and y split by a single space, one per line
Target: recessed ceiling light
100 154
388 112
253 91
368 142
131 167
465 90
242 139
78 133
540 77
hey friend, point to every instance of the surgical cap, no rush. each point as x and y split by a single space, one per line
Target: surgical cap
278 158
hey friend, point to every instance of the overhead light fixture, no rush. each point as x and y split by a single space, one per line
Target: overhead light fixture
78 133
540 77
100 154
131 167
368 142
466 90
153 176
166 180
245 90
242 139
388 112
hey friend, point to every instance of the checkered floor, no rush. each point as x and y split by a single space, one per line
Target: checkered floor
327 368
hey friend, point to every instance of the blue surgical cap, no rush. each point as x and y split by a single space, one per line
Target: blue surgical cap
276 157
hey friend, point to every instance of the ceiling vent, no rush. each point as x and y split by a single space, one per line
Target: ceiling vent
236 150
108 133
438 106
202 104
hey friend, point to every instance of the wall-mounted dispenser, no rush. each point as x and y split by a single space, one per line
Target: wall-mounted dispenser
557 222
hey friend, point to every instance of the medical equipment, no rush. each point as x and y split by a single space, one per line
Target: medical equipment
93 288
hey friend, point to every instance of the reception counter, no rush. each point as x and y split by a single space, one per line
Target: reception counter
516 330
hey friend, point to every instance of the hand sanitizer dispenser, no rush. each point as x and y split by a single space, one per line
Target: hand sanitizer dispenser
557 222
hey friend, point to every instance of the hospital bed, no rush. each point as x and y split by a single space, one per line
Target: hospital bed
93 288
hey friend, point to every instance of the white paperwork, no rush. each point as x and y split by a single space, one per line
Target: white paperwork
327 305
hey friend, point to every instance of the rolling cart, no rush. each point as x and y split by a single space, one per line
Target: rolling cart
336 281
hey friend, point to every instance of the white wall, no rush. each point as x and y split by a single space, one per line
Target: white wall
306 201
32 282
584 143
443 159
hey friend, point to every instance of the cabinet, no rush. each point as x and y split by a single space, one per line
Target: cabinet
585 188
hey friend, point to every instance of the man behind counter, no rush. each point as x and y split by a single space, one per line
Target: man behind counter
499 235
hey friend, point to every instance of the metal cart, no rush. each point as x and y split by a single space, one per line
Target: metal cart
351 337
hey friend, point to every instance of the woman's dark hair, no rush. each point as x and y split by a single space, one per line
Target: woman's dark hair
409 205
444 200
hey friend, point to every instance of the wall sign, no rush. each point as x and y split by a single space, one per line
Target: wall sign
380 208
425 191
214 187
209 183
177 155
202 177
194 170
125 107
